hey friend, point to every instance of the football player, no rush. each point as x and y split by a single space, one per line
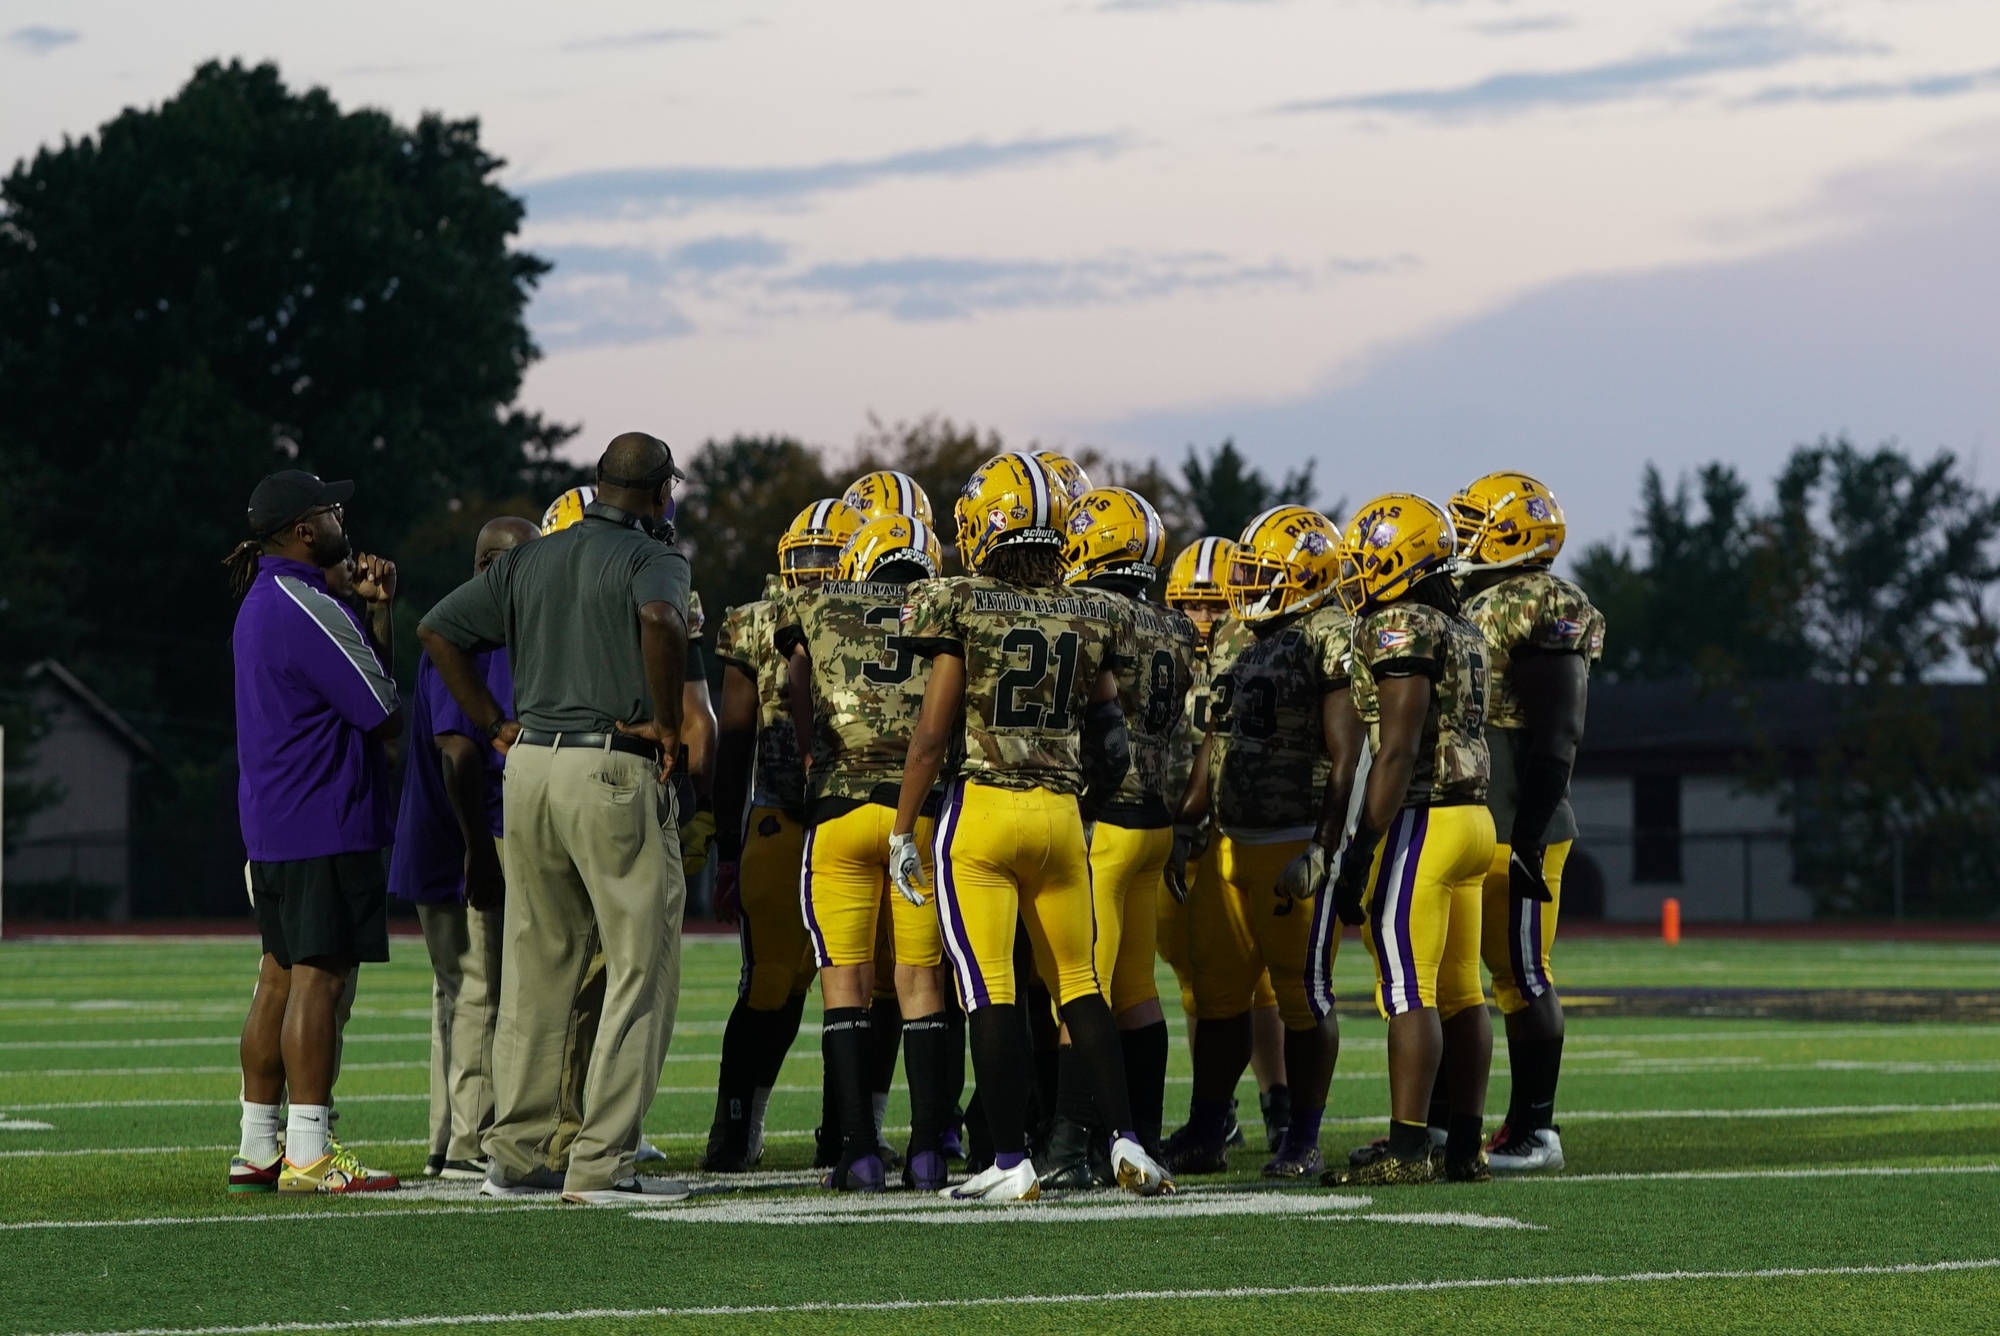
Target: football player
887 492
758 875
1070 478
1031 670
1195 587
1542 635
1414 867
1261 773
1116 545
855 692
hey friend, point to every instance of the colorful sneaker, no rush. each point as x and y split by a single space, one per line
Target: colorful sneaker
335 1171
1137 1171
863 1173
1295 1162
1383 1171
1185 1153
1379 1147
1530 1153
247 1177
925 1171
995 1186
1473 1170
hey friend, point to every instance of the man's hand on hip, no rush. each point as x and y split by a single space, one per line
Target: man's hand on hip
667 737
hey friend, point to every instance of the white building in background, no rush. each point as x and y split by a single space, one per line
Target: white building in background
75 854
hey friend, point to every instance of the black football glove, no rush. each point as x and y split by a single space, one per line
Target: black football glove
1190 842
1350 884
1525 877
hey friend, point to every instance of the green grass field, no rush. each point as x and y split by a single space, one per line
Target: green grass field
1724 1176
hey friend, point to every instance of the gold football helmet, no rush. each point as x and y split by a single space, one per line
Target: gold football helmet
1008 501
1069 474
567 509
889 538
1392 542
1506 519
1196 584
887 492
1114 531
809 551
1284 563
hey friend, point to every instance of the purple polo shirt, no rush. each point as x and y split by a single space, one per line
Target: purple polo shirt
309 686
428 864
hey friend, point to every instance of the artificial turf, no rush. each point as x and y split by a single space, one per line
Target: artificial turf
127 1051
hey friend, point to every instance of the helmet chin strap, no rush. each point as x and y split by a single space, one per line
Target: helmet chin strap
1467 565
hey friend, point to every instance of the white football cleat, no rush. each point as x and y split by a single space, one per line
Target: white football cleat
996 1186
1536 1153
1137 1171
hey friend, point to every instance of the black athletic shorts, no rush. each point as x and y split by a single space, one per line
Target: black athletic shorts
334 908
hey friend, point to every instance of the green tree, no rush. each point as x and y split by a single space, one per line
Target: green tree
1226 493
739 496
241 279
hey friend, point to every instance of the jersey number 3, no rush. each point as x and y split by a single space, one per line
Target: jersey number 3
894 665
1018 694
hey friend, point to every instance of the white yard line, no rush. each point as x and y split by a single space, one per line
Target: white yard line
1116 1296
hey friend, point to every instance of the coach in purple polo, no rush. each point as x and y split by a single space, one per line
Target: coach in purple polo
314 704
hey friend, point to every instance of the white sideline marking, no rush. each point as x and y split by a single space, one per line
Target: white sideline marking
213 1039
266 1217
925 1209
1115 1296
24 1125
1683 1175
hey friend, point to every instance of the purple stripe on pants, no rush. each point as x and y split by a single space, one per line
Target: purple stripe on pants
1378 897
1419 827
971 983
806 903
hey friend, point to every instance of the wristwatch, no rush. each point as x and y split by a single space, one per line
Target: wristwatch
493 729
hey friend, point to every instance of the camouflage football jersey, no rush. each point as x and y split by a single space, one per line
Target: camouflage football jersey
1155 675
1188 731
1031 658
1533 611
1266 707
1452 763
867 685
1537 612
745 639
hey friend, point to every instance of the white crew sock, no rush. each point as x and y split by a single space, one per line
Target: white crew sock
260 1133
305 1134
880 1099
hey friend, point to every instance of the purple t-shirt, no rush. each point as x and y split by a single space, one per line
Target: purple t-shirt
309 685
428 865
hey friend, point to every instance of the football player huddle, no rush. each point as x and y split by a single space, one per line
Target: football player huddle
978 805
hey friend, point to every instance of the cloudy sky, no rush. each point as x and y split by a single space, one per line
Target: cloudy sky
1410 239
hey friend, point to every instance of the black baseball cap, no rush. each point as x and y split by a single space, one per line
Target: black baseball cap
284 496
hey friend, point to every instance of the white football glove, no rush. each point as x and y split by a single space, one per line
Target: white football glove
1304 875
906 868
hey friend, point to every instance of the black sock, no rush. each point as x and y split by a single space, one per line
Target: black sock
1462 1138
1145 1051
924 1059
1074 1100
845 1039
1000 1066
740 1060
954 1071
1044 1047
1094 1035
778 1030
1409 1141
888 1021
1537 1067
1440 1114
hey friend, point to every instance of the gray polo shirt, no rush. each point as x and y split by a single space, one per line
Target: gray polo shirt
567 609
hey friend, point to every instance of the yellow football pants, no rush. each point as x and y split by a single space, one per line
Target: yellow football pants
777 955
1515 936
1241 931
1125 885
1172 928
846 884
1004 856
1423 909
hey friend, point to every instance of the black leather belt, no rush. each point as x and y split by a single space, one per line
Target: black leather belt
618 742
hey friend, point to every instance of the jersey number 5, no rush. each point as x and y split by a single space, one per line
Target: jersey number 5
1010 710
